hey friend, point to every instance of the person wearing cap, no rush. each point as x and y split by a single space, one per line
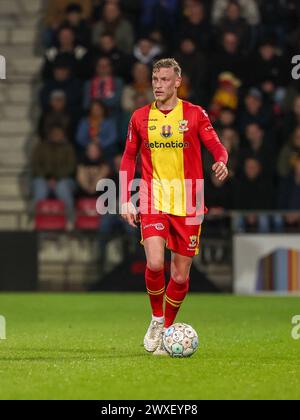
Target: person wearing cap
226 95
56 114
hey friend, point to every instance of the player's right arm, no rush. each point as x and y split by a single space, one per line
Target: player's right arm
127 171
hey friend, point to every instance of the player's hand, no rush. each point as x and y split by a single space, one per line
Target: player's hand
220 170
129 213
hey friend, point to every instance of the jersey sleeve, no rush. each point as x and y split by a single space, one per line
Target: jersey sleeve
210 139
128 162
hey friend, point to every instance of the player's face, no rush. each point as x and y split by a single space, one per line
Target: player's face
165 83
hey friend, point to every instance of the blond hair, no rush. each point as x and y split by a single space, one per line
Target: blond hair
167 63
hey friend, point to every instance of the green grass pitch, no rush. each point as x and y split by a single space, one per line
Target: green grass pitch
89 346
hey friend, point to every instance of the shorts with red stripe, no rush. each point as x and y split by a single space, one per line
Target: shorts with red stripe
181 237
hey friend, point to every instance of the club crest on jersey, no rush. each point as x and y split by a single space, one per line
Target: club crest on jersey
183 126
193 241
166 131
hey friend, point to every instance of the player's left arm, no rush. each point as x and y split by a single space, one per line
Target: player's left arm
213 144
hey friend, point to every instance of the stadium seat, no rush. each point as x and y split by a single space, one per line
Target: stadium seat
87 217
50 215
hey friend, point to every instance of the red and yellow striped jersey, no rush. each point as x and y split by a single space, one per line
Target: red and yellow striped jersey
170 148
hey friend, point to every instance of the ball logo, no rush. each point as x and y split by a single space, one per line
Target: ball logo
2 328
166 131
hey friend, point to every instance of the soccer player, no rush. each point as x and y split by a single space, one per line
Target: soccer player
168 135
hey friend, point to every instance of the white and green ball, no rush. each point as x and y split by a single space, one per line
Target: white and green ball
180 340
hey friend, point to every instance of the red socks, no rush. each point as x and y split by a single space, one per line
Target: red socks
155 283
175 295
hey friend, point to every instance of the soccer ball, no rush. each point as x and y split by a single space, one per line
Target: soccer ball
180 340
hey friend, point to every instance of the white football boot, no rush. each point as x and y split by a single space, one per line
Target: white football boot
161 351
153 335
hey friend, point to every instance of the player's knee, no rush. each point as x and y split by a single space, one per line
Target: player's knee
155 264
179 276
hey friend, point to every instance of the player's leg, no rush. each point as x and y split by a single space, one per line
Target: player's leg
155 273
178 286
155 283
176 291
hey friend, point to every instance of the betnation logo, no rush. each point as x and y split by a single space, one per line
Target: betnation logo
2 67
167 145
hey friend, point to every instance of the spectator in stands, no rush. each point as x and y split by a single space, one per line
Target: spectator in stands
194 65
106 47
135 95
228 58
112 21
227 119
146 51
230 139
161 15
289 196
278 18
140 86
292 119
196 26
74 56
91 169
64 80
56 115
218 199
186 91
255 111
56 14
289 154
225 96
98 128
249 10
253 191
256 146
218 195
232 21
81 28
104 86
53 167
270 73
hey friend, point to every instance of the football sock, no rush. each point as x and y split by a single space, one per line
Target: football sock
175 295
159 319
155 283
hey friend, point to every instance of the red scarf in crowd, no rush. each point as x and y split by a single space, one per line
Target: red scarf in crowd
102 87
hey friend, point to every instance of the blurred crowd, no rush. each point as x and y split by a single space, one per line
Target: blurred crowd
236 61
